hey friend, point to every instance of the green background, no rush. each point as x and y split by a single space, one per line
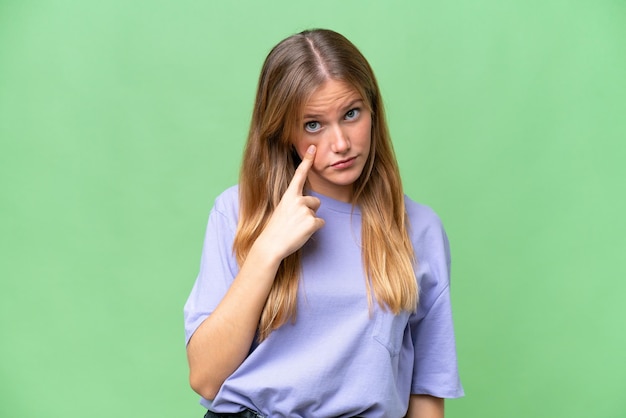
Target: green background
120 122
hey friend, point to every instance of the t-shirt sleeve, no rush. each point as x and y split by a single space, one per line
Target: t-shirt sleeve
218 267
435 369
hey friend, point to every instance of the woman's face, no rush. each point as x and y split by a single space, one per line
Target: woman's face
338 122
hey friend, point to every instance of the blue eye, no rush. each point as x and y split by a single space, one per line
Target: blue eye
352 114
312 126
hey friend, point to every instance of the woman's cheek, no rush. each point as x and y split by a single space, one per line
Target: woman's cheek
317 165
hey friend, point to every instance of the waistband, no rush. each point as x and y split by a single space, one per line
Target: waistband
248 413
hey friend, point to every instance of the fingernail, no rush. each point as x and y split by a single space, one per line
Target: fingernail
311 149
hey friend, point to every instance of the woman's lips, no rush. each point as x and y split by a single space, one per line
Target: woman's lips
347 163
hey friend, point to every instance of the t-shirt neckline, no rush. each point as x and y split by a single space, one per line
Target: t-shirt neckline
334 204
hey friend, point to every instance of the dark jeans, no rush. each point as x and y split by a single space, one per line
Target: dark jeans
243 414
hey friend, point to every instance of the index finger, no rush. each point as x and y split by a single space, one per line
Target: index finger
299 177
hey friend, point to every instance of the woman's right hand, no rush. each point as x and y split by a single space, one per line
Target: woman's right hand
294 220
222 341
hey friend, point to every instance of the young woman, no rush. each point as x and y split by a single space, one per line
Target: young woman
323 291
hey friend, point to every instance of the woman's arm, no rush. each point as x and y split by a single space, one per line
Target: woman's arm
425 406
223 340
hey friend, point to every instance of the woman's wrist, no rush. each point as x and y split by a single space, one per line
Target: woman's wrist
264 255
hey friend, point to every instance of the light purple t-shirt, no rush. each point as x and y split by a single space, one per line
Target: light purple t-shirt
337 359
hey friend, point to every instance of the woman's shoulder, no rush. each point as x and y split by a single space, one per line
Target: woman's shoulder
421 216
432 249
229 196
227 203
426 230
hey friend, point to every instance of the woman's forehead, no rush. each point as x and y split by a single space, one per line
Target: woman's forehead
330 95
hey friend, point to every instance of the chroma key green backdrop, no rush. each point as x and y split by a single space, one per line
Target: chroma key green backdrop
120 122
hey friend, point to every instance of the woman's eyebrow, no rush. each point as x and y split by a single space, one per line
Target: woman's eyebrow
352 103
311 116
343 108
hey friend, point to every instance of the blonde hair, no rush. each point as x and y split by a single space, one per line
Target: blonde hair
292 71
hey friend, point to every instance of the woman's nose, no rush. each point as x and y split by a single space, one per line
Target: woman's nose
340 141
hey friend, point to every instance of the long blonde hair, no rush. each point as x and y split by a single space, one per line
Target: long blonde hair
292 71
